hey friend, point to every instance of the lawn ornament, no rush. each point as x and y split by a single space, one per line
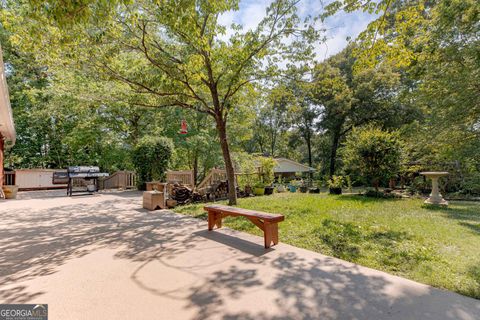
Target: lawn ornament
183 127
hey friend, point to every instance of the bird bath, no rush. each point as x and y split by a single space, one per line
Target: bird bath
435 197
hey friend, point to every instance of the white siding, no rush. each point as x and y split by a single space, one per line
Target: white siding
36 179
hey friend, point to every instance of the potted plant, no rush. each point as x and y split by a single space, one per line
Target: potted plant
314 188
267 175
259 189
280 185
303 186
335 184
268 190
10 192
293 185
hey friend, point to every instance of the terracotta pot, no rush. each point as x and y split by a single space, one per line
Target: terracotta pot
10 192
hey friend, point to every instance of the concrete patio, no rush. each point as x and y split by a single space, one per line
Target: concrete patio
103 257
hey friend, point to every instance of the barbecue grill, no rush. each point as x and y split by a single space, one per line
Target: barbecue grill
87 173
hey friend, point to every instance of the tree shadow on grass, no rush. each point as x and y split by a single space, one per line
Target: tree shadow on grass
394 249
474 290
364 199
470 211
475 227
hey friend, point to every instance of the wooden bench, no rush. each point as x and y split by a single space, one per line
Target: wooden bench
266 221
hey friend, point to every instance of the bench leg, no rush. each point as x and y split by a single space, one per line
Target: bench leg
270 234
267 234
211 221
275 233
218 220
214 219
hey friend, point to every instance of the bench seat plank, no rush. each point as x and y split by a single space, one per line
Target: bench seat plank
245 212
267 222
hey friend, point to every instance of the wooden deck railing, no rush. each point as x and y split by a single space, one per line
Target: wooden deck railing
184 177
9 178
213 176
119 180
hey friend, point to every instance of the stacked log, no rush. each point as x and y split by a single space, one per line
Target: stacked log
219 190
180 193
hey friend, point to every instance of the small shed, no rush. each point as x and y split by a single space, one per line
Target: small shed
287 168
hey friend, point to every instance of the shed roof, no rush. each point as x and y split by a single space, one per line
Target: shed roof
285 165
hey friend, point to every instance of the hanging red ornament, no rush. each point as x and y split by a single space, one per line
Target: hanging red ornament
183 127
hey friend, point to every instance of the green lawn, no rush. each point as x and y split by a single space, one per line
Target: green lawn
437 246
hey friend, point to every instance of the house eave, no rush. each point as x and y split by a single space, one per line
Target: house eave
7 127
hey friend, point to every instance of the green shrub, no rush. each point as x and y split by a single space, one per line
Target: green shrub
151 157
471 185
335 182
266 170
245 164
373 154
417 186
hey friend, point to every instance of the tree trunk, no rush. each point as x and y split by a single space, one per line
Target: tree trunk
309 149
333 153
222 134
195 167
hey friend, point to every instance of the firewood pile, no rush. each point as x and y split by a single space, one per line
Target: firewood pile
219 190
183 194
242 193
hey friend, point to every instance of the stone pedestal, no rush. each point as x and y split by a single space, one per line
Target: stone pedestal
435 197
153 200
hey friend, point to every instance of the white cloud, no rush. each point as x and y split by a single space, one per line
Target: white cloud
338 27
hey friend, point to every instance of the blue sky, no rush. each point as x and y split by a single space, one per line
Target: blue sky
338 27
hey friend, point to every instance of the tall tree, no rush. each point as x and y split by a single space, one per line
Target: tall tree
170 52
350 99
304 113
272 119
437 45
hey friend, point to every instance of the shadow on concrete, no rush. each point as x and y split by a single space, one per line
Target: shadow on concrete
282 283
251 248
321 289
37 242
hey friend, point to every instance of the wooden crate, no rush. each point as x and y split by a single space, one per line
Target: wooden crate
160 186
153 200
